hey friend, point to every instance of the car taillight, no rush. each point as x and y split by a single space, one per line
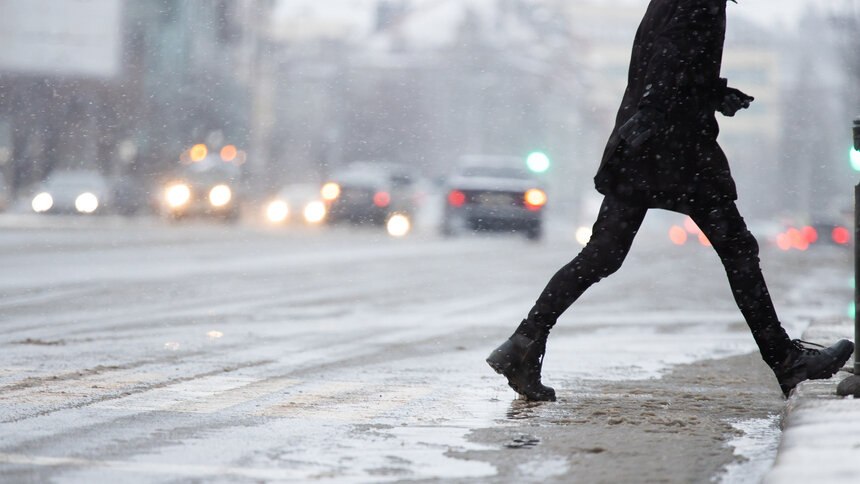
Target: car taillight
535 199
841 235
381 199
810 234
456 198
678 235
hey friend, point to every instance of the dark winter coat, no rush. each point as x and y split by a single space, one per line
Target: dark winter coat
674 68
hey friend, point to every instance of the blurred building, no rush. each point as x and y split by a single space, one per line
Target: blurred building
305 86
60 65
821 97
122 86
424 83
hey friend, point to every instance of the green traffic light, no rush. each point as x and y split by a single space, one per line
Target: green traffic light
855 159
538 162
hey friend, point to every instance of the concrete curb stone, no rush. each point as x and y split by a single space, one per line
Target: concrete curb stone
821 430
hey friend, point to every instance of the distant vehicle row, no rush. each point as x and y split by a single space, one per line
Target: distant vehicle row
363 193
484 193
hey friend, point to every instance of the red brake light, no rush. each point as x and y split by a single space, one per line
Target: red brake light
456 198
535 199
381 199
677 235
810 233
783 242
841 235
797 239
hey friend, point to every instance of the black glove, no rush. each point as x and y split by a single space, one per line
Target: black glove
641 126
733 101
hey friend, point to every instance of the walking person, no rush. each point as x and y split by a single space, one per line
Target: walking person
663 153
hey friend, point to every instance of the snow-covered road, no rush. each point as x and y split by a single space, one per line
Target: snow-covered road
149 352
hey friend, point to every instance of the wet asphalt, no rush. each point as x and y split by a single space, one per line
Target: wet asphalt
141 351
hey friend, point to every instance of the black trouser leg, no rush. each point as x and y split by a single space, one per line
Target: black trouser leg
738 250
611 238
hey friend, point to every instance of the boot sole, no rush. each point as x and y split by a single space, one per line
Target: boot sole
501 368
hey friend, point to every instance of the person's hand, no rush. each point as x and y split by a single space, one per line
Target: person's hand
640 126
733 101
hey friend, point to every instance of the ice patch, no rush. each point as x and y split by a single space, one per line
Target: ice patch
544 469
758 444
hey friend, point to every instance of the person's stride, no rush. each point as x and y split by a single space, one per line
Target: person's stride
663 153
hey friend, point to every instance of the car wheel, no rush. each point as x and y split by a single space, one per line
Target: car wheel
447 230
534 233
453 226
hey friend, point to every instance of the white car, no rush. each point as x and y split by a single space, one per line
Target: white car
296 203
72 191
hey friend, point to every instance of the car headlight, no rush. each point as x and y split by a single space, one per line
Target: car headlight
314 212
398 225
535 199
220 195
42 202
178 195
330 191
277 211
86 203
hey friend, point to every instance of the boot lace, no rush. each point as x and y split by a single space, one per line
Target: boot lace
806 347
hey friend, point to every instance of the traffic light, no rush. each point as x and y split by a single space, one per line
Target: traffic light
538 162
856 131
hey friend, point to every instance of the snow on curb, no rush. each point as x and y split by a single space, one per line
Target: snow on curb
821 435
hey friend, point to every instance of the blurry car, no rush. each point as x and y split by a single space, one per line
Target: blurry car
4 193
372 193
821 231
296 203
207 188
131 196
494 193
72 191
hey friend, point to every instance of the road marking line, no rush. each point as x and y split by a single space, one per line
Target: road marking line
154 468
14 370
202 395
353 401
55 392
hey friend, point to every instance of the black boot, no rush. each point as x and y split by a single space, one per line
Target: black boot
803 363
520 359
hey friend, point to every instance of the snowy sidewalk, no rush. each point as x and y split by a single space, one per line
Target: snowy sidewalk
821 435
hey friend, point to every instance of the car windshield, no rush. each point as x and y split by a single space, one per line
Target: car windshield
494 172
75 180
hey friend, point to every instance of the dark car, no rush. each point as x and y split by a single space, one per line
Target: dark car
370 193
494 194
208 188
